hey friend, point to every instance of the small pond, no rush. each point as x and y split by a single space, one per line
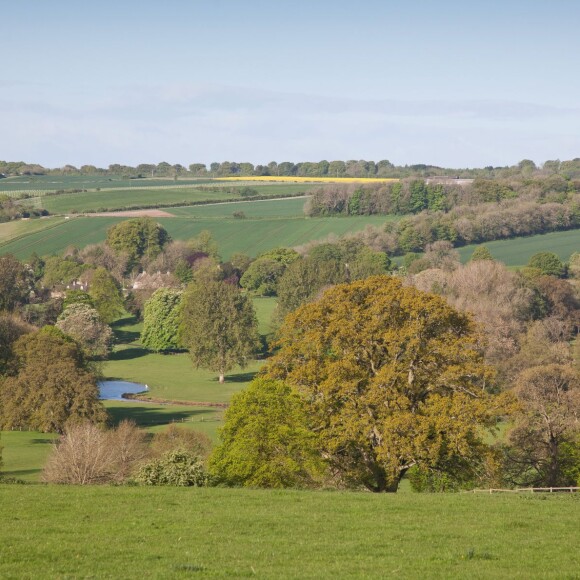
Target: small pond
113 390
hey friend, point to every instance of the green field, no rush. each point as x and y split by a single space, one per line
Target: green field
113 199
20 228
128 532
253 209
24 453
518 251
42 183
251 236
172 376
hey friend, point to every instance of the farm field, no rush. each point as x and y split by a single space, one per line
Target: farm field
42 183
113 199
129 532
518 251
14 229
296 179
250 236
292 207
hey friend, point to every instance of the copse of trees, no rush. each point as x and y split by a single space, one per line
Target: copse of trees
10 210
16 282
325 264
544 442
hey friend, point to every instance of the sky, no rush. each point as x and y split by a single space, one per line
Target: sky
448 83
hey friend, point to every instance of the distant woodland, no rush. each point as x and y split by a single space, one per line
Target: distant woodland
351 168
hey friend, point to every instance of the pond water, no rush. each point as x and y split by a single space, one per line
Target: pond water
113 390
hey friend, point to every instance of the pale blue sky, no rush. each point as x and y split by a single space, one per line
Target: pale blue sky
450 83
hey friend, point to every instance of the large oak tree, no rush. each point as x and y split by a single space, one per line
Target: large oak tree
392 377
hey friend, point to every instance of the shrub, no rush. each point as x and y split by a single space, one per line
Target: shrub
87 454
178 468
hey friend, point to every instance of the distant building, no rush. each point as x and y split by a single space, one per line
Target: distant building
145 281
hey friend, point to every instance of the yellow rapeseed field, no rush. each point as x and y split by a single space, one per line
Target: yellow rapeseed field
294 179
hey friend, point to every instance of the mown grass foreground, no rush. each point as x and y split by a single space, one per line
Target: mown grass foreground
128 532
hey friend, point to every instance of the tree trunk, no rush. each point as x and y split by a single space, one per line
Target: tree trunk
222 378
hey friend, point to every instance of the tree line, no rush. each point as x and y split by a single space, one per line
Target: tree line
569 169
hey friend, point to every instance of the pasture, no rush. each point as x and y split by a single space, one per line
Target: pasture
133 532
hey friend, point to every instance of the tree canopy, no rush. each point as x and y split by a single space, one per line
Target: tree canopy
15 282
51 385
266 441
83 323
393 377
161 320
137 237
106 295
544 443
548 263
218 326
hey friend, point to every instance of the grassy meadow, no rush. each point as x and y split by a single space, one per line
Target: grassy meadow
130 532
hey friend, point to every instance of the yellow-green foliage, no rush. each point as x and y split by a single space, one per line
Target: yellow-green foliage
393 377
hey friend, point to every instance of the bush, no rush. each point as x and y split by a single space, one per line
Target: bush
548 263
178 468
87 454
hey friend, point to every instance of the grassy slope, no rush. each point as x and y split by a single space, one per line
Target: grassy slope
24 453
249 236
172 532
518 251
20 228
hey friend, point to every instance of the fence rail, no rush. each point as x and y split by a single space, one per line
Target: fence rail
529 490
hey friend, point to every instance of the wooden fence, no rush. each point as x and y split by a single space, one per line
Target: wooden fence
529 490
